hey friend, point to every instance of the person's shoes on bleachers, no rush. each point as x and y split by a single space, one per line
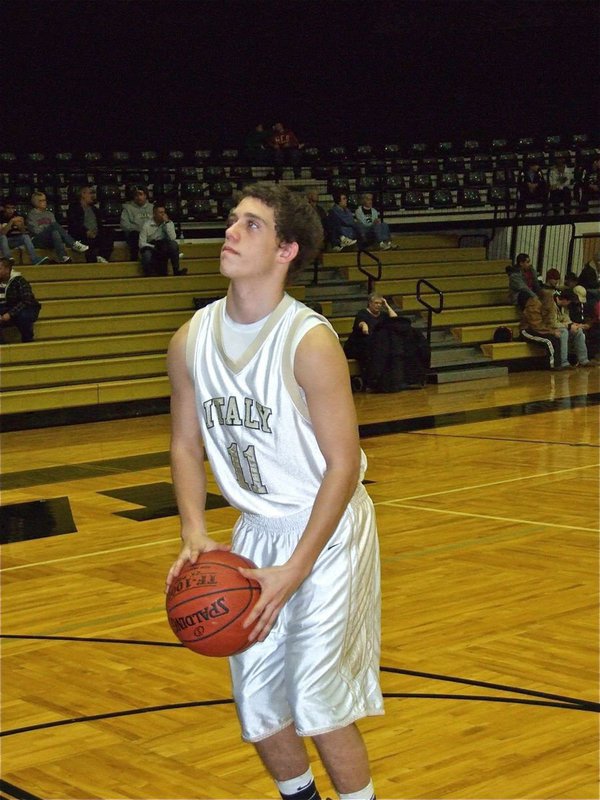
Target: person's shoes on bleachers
100 260
66 260
385 245
80 247
180 271
41 260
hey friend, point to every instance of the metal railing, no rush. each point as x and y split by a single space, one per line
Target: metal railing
371 279
430 309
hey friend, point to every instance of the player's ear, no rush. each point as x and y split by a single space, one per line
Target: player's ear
288 251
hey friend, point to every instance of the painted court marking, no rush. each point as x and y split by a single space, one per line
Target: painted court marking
397 502
539 523
495 483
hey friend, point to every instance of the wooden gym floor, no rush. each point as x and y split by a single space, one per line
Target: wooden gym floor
487 499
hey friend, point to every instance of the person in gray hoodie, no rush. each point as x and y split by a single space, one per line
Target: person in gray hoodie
46 232
522 278
135 214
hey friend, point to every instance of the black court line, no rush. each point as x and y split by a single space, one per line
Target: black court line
541 698
512 411
114 466
132 712
587 705
14 793
574 706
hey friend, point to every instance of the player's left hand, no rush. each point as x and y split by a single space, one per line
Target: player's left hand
277 585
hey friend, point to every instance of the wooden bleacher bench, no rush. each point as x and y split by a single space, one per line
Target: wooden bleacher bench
475 334
503 351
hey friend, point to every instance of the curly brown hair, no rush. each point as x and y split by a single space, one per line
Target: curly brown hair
295 221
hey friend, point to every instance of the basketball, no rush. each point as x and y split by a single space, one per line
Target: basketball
209 601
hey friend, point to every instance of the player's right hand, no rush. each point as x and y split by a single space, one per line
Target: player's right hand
191 549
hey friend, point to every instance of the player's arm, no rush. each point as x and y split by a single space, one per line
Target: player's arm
187 459
321 369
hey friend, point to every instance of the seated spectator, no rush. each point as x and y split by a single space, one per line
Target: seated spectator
371 228
571 280
13 232
522 277
85 224
18 305
358 344
552 280
256 146
577 307
46 232
592 334
313 198
286 148
531 188
560 184
158 244
555 314
342 230
535 329
588 278
135 213
590 185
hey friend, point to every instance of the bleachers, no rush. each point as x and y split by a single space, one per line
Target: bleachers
104 329
103 332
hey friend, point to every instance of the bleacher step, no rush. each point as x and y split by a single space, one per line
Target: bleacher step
454 356
466 374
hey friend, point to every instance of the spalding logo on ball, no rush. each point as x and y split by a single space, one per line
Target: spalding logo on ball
209 601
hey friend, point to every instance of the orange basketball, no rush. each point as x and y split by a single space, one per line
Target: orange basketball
209 601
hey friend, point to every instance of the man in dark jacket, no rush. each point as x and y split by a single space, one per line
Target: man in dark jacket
532 188
85 224
18 305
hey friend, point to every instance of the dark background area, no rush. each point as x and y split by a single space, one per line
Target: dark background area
103 74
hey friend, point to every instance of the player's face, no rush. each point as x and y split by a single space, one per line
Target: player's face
251 242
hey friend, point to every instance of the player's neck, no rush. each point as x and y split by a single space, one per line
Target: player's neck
250 302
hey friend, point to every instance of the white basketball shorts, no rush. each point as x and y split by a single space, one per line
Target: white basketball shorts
319 666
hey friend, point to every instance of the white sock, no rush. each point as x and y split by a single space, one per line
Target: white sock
368 793
296 784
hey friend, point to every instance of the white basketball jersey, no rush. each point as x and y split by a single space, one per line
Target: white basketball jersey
254 420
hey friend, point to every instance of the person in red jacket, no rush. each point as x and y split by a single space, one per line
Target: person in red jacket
286 147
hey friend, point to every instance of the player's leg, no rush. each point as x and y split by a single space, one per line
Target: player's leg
258 674
285 757
332 650
344 755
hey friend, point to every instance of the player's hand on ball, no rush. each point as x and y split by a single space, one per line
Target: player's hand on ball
191 549
277 585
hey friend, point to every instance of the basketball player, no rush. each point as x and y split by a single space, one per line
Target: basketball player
262 383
